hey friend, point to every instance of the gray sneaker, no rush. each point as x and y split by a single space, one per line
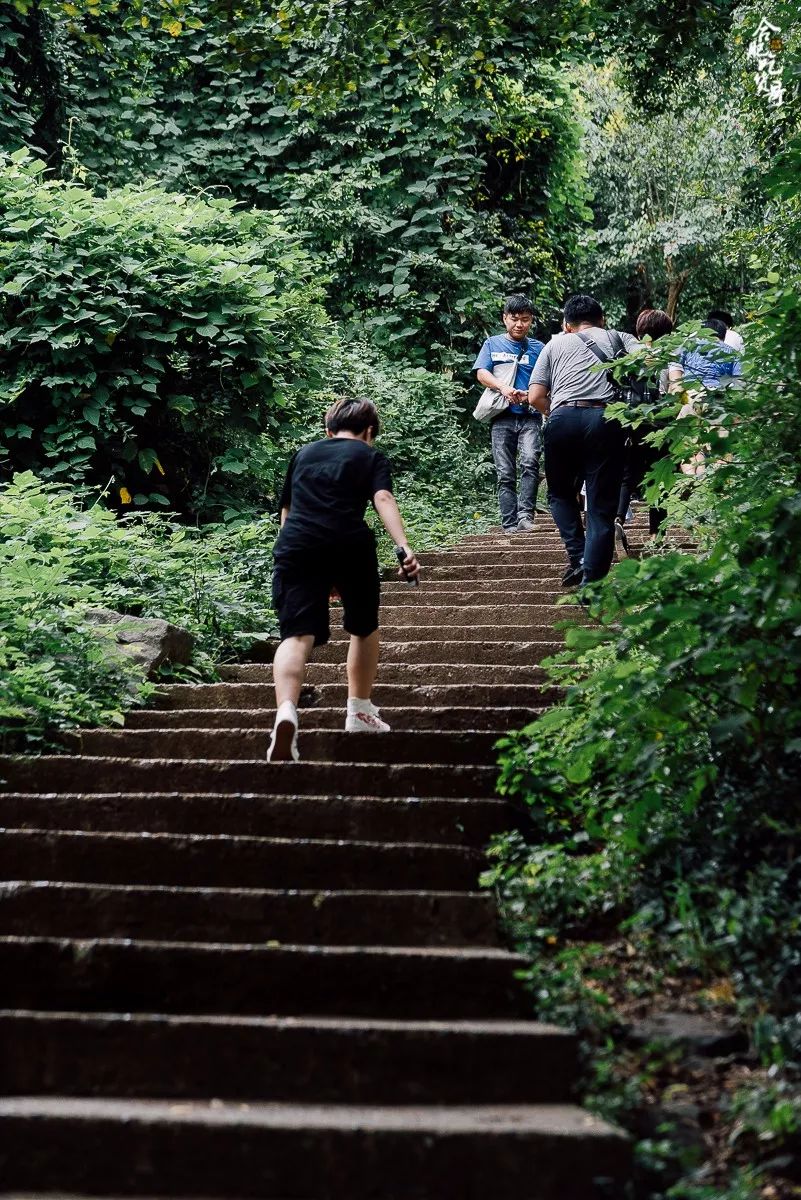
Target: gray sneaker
525 525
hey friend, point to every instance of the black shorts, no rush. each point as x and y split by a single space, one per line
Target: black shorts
302 584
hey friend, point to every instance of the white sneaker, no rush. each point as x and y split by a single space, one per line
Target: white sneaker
363 717
284 742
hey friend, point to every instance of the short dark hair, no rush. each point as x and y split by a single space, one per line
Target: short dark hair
352 416
583 308
654 323
717 327
517 304
720 314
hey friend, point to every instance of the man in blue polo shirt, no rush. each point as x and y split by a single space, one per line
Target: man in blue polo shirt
516 432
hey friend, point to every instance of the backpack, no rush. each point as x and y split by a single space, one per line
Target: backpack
629 390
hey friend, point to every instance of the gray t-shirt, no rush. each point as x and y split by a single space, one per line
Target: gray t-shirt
564 367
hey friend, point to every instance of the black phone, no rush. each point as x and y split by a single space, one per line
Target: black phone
401 554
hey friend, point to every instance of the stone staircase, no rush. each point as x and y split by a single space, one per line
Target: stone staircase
223 978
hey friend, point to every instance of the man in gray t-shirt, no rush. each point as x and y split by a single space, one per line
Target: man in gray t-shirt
581 446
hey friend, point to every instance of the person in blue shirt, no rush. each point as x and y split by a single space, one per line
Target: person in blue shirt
711 368
517 431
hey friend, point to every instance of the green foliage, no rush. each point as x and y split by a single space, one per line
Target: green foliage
428 157
680 728
149 339
56 672
63 552
670 195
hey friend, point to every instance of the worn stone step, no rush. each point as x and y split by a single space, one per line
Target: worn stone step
416 675
288 1059
396 682
397 746
221 860
362 818
317 717
83 773
481 560
508 613
528 577
308 1152
254 915
493 651
451 592
404 983
491 632
250 697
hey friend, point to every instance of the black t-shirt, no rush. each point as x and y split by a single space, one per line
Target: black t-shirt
327 489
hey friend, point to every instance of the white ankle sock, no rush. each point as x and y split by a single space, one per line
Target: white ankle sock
356 705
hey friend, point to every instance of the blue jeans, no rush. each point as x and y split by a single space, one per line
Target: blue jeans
581 446
516 436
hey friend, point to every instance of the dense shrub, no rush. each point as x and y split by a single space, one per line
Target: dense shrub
149 340
62 552
668 779
428 155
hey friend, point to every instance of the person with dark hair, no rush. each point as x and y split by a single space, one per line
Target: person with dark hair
324 545
732 338
581 446
504 365
652 324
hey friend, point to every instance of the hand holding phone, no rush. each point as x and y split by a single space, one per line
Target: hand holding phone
403 556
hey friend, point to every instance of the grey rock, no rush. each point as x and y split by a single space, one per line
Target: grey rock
696 1032
147 641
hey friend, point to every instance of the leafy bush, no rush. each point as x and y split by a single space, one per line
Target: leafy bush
149 339
63 552
663 790
427 155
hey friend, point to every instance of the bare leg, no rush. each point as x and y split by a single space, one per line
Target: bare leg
362 665
289 668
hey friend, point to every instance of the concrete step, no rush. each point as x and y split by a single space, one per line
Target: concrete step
324 1060
527 577
480 559
255 915
418 674
494 650
442 717
509 621
466 632
85 774
251 697
441 594
361 818
332 745
218 860
403 983
300 1152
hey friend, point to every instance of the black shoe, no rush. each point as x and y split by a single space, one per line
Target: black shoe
573 575
621 541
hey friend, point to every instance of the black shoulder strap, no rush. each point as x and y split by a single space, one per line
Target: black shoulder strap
596 350
618 343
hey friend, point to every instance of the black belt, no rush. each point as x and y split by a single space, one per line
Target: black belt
581 404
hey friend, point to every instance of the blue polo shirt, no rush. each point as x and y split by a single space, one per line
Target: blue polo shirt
710 369
501 349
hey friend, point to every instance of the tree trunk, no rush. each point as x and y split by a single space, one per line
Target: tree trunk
676 285
639 293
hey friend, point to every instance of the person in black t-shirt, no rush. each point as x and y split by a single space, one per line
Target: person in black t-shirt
325 544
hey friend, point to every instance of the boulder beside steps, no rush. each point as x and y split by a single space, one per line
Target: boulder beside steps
228 979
